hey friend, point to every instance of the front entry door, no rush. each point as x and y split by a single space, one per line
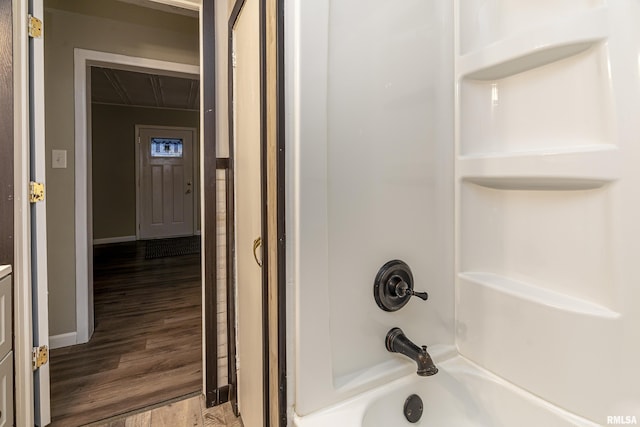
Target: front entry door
246 131
166 182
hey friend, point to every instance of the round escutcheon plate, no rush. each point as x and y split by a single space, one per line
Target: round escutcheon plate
383 293
413 408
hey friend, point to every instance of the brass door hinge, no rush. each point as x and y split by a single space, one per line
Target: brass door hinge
35 27
36 192
39 356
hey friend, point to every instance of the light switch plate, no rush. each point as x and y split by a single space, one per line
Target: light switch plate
59 159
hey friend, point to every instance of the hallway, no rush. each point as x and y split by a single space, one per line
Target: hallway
146 348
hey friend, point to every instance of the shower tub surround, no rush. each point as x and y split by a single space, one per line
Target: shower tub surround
492 145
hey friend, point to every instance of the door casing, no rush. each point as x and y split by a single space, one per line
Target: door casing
24 391
39 251
23 342
83 59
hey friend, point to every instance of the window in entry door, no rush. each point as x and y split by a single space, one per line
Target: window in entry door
166 147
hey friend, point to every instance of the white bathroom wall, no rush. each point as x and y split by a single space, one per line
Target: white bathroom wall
370 116
547 201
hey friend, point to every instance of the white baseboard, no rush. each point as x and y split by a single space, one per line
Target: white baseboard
119 239
63 340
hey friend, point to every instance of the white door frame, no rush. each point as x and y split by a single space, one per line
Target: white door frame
83 59
195 179
23 317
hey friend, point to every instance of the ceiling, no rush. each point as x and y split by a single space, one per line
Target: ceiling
122 87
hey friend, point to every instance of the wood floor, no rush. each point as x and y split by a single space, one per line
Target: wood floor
190 412
146 347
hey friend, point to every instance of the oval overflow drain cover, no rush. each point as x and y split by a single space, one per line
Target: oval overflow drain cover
413 408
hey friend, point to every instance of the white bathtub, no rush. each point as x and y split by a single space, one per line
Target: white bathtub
460 395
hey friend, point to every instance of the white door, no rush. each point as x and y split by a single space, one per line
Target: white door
246 87
42 402
166 182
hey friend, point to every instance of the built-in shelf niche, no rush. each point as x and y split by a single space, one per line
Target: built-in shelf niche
527 334
536 47
483 22
582 168
559 106
537 295
557 241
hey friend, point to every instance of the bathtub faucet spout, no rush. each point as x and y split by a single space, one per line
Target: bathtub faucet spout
397 342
